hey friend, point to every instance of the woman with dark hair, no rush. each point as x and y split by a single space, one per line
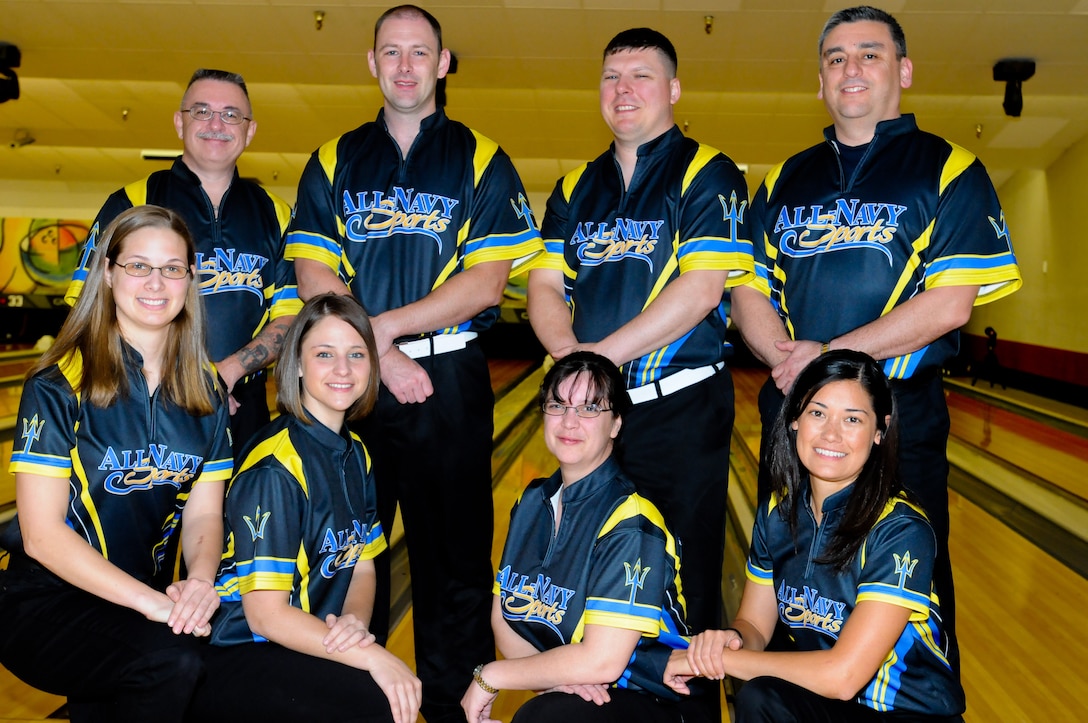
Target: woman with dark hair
844 560
587 605
291 641
124 437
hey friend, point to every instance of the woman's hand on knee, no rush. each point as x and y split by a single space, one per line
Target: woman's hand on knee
594 693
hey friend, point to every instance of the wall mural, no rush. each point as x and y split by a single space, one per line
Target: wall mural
37 258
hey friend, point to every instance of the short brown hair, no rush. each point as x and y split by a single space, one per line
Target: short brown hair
288 381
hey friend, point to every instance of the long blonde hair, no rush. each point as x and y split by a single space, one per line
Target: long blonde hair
91 328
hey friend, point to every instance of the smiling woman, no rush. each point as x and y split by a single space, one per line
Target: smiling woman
302 531
125 439
843 558
595 638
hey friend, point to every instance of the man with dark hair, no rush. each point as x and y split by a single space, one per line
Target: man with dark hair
880 239
640 246
421 218
238 228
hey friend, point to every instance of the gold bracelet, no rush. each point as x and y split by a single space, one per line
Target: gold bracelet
479 678
825 347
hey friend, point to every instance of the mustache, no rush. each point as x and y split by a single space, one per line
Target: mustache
215 136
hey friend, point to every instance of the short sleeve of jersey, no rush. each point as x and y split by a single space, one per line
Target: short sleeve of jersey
760 567
762 252
115 204
316 228
713 229
897 564
264 514
45 433
970 240
502 226
628 574
219 464
284 299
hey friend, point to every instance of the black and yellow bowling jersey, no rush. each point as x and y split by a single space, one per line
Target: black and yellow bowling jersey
130 466
300 513
619 247
394 229
893 566
836 251
244 280
613 562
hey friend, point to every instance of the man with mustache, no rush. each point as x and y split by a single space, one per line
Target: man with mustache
247 287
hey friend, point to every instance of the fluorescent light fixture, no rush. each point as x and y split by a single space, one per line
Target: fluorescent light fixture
159 154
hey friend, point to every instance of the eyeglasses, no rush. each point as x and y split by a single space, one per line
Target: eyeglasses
585 411
140 269
203 113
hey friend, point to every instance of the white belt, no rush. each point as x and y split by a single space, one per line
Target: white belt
437 344
673 383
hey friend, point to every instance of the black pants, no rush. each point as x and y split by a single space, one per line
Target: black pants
113 664
267 682
923 471
772 700
676 451
626 706
434 459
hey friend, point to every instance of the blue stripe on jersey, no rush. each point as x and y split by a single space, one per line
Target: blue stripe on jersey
759 575
893 594
314 240
903 367
623 607
882 691
265 566
63 464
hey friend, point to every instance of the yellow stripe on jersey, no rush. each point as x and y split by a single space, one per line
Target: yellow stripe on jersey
703 156
302 564
267 580
919 245
958 162
570 181
88 503
481 158
647 624
137 191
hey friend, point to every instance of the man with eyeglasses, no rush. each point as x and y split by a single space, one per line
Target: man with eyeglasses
248 289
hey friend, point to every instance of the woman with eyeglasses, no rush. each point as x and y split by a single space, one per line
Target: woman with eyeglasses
586 607
122 438
842 558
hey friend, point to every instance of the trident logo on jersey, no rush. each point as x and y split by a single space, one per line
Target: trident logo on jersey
849 224
904 567
32 432
732 212
257 523
635 577
372 214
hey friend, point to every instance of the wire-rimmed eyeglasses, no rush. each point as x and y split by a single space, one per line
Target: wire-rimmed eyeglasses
585 411
139 269
230 116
